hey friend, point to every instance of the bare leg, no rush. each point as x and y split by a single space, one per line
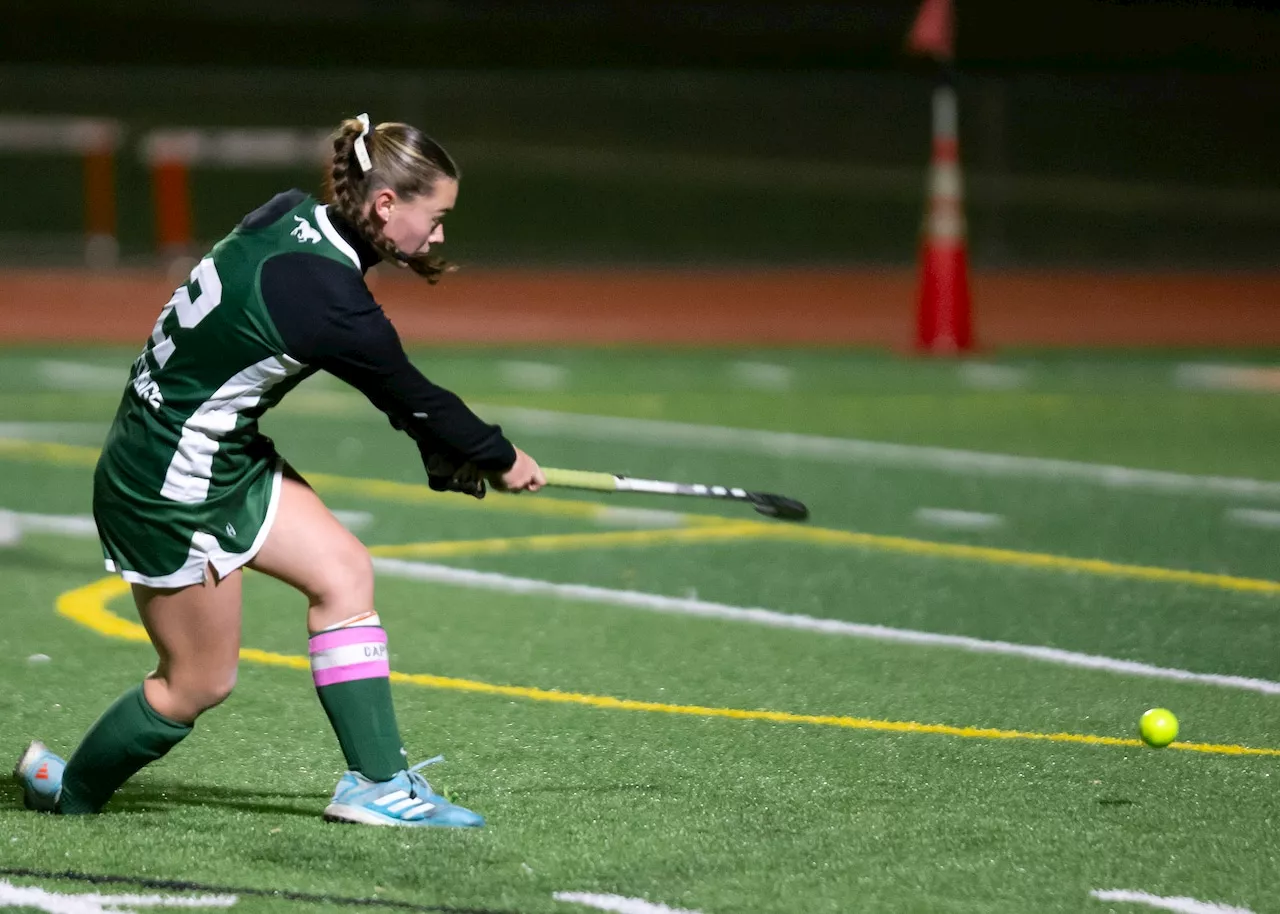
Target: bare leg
196 633
308 549
311 551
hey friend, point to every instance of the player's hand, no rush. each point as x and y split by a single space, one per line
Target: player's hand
444 476
524 476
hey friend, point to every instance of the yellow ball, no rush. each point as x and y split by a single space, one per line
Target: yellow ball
1158 728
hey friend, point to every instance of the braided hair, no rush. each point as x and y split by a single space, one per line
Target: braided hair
405 160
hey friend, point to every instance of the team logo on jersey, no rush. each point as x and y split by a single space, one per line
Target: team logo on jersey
231 531
143 384
305 231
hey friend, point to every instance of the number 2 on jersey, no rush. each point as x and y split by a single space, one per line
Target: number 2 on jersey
191 311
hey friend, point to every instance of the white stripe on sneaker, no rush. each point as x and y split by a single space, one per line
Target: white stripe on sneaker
403 805
390 798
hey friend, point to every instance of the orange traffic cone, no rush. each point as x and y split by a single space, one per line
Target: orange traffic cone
943 317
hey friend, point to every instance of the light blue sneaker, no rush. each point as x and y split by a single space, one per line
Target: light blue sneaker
407 800
39 772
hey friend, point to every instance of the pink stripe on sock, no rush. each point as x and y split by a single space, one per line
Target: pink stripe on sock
374 669
362 634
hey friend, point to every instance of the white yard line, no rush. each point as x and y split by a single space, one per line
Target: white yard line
167 901
761 376
354 521
1179 903
989 376
15 523
691 606
659 433
82 375
639 517
485 580
1251 378
18 896
618 903
958 520
64 524
521 375
66 432
10 529
1254 517
655 433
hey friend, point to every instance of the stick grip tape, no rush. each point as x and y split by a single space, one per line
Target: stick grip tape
580 479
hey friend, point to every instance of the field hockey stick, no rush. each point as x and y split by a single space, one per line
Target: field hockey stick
775 506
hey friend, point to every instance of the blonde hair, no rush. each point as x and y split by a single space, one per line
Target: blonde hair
403 159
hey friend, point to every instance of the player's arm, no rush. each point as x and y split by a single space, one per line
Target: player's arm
327 318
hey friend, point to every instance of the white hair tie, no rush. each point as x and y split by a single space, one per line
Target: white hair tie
362 151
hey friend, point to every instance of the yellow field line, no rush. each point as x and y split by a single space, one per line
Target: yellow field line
48 452
411 493
87 606
417 493
1040 560
564 541
380 489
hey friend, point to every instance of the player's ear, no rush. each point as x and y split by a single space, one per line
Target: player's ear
384 204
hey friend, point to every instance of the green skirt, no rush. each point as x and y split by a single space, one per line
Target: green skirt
152 540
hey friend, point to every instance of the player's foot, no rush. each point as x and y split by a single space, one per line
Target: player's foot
407 799
39 772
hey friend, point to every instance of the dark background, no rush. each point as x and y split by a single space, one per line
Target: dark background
1138 134
750 34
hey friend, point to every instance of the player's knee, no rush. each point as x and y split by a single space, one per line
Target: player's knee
211 692
187 697
347 587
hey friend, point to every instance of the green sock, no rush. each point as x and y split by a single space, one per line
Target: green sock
351 674
128 735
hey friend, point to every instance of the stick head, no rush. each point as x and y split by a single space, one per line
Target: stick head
778 507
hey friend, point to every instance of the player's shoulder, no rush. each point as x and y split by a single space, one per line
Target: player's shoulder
316 272
274 210
295 227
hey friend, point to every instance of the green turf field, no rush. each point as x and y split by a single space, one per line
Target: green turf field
646 738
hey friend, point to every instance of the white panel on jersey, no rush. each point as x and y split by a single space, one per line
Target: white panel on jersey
162 350
187 479
162 346
157 333
322 220
192 312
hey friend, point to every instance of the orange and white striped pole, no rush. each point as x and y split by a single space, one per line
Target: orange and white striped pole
99 141
172 152
169 154
96 141
944 319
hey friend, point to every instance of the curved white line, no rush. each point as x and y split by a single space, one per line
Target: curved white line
485 580
664 433
1179 903
618 903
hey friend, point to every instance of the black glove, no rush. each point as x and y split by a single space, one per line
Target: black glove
445 475
447 471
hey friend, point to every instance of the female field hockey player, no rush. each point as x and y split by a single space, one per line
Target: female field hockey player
188 490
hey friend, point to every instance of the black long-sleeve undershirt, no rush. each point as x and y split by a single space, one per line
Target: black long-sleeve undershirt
328 319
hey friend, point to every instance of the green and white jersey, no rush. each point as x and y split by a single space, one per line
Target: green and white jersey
185 478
